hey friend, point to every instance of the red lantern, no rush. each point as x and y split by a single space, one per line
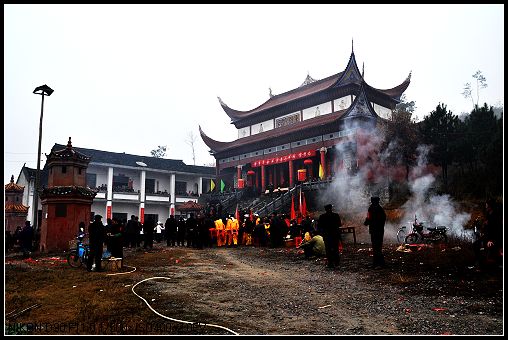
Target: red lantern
307 162
250 172
241 183
302 175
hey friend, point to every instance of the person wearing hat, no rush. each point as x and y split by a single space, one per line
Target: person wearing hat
329 225
96 234
376 218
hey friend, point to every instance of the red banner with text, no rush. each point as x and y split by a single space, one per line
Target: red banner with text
283 159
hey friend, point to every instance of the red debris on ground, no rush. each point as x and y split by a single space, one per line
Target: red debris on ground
438 309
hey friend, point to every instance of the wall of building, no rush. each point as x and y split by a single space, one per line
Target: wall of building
56 232
317 110
382 111
28 194
101 172
339 104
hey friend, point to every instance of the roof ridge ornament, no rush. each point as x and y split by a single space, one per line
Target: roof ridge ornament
308 80
221 102
409 76
352 49
12 179
69 144
271 94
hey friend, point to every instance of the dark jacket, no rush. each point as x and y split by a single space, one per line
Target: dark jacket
376 219
131 227
494 227
96 233
171 225
329 225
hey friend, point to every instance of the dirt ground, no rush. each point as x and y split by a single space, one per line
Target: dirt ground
262 291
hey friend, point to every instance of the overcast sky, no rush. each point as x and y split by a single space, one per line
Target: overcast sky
127 78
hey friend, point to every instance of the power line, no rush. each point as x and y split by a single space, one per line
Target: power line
21 153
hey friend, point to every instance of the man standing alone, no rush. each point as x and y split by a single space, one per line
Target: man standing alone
329 225
376 219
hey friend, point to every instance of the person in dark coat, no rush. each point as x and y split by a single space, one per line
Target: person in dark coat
148 233
329 225
307 226
115 238
17 236
131 232
493 232
96 234
139 234
376 219
181 232
171 230
278 230
26 239
191 226
207 226
107 229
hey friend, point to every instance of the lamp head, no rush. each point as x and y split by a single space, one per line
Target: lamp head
44 90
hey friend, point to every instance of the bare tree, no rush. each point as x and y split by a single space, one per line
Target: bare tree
160 152
191 141
481 83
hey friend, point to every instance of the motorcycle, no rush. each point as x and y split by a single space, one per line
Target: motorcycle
434 234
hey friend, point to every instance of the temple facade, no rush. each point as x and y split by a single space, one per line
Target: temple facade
306 133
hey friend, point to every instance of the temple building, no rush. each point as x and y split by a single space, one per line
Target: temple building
15 212
293 136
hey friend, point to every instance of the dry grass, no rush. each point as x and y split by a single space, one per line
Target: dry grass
207 284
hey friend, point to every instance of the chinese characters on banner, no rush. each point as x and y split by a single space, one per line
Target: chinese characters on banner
283 159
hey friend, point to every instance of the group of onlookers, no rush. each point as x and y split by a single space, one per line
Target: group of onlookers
22 239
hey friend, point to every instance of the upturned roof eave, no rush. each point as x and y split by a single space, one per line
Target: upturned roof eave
237 115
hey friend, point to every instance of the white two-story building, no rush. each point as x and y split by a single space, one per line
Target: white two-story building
132 185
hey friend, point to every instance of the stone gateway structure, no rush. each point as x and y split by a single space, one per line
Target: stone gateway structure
66 200
15 212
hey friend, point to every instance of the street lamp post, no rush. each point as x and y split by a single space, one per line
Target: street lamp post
43 90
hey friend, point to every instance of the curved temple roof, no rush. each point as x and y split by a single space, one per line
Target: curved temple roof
279 99
350 74
359 106
13 187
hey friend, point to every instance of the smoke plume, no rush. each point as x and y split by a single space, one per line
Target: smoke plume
361 173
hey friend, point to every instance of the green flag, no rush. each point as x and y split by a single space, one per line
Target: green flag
212 185
222 185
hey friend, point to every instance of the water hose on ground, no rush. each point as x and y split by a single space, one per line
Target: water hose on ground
172 319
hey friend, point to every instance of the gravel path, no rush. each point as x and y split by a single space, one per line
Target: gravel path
277 291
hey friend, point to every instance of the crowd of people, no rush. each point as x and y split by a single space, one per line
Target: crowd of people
24 239
211 228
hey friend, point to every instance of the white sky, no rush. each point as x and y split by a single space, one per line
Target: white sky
128 78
